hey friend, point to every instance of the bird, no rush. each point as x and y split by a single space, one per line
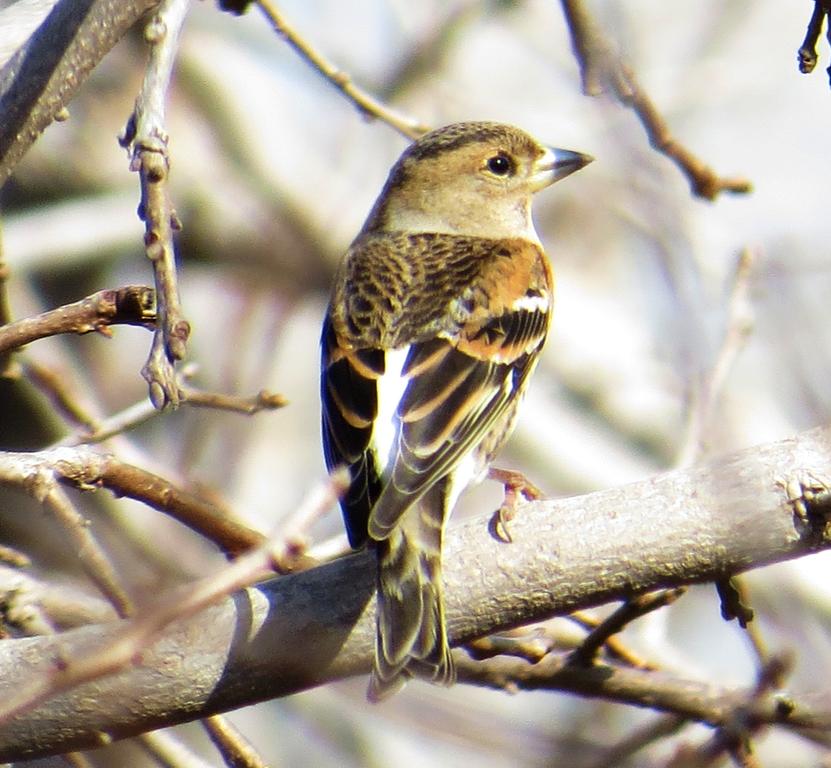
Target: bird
438 313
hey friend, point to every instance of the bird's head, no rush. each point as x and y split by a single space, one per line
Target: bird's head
473 179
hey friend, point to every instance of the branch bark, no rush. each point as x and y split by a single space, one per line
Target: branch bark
41 78
87 469
131 305
743 511
146 136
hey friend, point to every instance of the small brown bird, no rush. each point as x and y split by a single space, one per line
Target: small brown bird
438 314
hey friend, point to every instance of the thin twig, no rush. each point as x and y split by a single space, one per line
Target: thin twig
773 673
248 406
534 642
738 327
142 411
531 644
13 557
28 473
103 429
753 632
663 692
741 722
5 308
614 645
146 134
602 70
427 55
368 105
235 749
291 554
77 760
73 406
329 549
655 730
169 751
625 614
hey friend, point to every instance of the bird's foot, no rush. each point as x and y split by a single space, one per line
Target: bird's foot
517 485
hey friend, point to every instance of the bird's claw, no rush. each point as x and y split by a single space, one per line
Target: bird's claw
517 486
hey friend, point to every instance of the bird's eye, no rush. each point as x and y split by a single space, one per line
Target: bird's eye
500 165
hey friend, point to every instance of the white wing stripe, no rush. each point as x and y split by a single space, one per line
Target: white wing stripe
387 426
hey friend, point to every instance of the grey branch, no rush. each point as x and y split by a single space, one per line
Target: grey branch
43 75
758 506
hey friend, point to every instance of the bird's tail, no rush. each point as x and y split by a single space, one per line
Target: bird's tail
411 637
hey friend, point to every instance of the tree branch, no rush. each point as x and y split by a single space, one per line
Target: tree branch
131 305
44 74
700 701
807 53
366 103
86 469
603 70
147 138
743 511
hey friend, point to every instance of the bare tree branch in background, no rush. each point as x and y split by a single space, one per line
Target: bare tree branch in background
603 70
232 745
755 507
86 469
133 638
367 104
168 751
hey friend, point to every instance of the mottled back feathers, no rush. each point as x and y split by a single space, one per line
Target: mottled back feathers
468 309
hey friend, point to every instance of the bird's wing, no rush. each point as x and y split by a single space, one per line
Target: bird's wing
472 316
349 404
458 389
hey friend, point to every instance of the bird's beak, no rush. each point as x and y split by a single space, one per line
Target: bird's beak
556 164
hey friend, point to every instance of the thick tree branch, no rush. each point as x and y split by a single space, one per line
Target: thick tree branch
41 78
755 507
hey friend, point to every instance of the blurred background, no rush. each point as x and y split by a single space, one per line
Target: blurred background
273 172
